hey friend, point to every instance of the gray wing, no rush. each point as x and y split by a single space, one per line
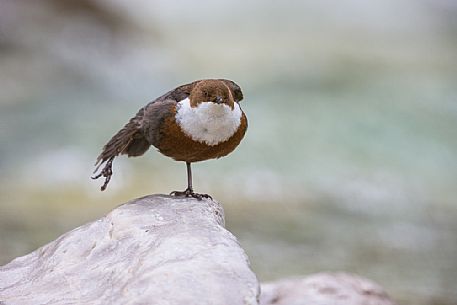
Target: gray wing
135 138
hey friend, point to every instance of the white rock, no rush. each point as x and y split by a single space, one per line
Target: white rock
153 250
324 289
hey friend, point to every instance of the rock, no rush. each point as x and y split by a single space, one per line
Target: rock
324 289
164 250
152 250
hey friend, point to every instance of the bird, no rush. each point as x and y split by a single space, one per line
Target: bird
194 122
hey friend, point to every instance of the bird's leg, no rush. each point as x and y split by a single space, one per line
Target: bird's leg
189 178
106 172
189 192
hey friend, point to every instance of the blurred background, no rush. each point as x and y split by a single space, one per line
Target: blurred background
349 162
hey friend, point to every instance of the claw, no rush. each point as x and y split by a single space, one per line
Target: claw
189 193
106 172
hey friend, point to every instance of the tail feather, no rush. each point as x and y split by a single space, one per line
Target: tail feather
129 140
118 143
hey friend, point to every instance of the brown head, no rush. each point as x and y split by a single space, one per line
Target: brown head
218 91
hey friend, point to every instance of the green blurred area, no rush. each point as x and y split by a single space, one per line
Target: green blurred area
349 162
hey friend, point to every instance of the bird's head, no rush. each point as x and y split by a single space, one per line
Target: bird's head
220 92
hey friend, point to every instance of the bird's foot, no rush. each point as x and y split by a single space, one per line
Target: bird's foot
106 172
189 193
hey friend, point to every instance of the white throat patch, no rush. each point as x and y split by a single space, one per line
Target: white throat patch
208 123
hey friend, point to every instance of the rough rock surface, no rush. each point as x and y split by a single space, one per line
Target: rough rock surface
153 250
324 289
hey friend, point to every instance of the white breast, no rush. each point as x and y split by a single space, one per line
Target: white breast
208 123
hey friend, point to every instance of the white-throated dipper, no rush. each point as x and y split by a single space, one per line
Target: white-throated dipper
194 122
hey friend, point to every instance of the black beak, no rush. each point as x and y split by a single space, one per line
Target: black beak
218 100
